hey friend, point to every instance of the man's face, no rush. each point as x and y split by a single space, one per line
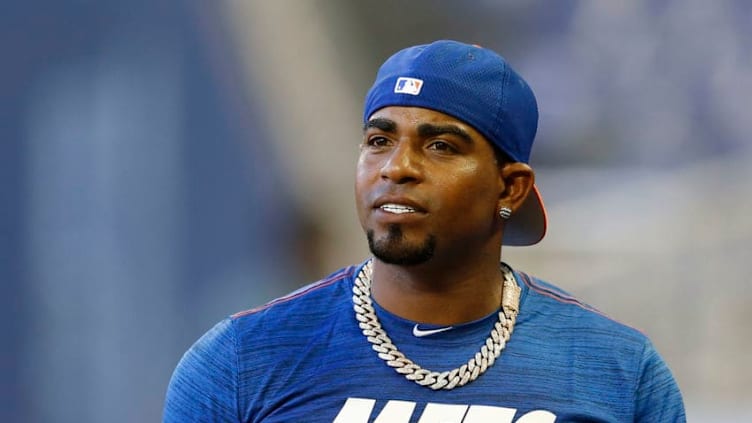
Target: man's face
427 185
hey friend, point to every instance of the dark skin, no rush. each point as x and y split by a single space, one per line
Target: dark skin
424 177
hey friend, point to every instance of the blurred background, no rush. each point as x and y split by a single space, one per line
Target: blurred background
165 164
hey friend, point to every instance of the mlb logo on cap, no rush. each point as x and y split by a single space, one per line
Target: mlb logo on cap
407 85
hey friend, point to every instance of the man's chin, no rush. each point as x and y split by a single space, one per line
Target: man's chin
394 249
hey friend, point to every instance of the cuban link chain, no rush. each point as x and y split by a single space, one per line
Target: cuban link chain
468 372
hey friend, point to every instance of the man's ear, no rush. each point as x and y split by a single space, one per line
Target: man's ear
518 179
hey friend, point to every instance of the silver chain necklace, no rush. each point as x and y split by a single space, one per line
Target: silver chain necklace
468 372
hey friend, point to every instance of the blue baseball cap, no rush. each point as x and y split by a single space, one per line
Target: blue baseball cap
477 86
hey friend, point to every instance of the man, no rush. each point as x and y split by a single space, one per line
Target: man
432 328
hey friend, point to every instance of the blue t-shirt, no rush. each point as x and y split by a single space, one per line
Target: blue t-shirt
303 358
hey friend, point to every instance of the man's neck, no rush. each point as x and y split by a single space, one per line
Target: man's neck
443 294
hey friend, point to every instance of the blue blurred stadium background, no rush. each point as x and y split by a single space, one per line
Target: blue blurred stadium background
164 164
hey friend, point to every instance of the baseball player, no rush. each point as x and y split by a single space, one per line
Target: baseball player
432 328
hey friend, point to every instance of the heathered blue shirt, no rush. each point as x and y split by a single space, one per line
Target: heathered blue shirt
303 358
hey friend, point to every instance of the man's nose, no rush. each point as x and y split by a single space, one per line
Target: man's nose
403 164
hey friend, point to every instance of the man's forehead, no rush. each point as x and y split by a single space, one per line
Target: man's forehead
413 116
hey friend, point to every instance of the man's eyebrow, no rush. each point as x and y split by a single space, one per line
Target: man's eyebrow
384 124
430 130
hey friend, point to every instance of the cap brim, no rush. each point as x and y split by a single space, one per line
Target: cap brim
528 224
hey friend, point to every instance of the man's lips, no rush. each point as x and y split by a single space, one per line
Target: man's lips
393 208
397 208
398 205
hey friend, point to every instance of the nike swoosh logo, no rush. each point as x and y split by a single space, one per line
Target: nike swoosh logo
421 333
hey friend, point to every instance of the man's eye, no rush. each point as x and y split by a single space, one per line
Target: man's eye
377 141
441 146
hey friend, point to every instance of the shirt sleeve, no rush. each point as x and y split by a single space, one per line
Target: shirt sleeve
657 398
203 387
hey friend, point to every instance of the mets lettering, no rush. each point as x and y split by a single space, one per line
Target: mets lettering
359 410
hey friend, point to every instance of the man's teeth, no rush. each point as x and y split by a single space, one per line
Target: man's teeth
397 208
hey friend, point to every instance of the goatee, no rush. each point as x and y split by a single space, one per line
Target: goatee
394 249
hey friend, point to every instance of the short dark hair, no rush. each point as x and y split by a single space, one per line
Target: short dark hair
501 156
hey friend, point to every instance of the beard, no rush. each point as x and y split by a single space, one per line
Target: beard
394 249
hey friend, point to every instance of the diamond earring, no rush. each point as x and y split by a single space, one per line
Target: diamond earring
505 213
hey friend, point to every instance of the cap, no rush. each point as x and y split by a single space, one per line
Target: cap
478 87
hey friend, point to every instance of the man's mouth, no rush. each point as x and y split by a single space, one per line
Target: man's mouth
397 208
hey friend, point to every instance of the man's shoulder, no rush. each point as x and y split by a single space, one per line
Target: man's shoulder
310 299
563 308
